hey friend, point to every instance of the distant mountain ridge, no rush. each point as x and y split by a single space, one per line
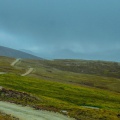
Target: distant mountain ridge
108 55
9 52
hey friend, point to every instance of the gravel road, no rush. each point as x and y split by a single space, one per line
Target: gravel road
27 113
28 72
14 62
2 73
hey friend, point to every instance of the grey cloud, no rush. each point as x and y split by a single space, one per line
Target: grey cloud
47 26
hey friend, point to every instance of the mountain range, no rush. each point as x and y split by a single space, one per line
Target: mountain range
110 55
9 52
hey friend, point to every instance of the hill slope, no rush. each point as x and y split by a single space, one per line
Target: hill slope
82 95
4 51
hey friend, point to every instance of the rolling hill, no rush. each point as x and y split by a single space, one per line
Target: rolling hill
85 90
4 51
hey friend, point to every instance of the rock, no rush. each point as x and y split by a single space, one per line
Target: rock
64 112
17 95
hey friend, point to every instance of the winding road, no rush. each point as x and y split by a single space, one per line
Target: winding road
1 73
27 113
15 62
12 64
28 72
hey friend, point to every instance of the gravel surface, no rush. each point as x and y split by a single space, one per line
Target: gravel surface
15 62
27 113
28 72
1 73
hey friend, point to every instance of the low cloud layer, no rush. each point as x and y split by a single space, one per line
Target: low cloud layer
51 27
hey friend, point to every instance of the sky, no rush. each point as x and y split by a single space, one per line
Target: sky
76 29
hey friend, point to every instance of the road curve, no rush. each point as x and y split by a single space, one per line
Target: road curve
27 113
28 72
16 61
1 73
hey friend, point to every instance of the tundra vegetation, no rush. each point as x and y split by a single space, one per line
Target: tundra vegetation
82 88
4 116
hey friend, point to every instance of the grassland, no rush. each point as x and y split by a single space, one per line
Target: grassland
56 96
5 66
7 117
43 71
85 96
100 68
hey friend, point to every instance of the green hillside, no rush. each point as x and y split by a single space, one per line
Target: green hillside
5 66
84 96
58 96
45 71
101 68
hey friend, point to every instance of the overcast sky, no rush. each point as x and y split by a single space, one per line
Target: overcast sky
61 28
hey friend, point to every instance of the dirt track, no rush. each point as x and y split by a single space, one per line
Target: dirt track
27 113
28 72
14 62
1 73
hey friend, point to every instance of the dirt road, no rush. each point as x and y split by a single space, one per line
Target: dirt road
1 73
15 62
28 72
27 113
12 64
